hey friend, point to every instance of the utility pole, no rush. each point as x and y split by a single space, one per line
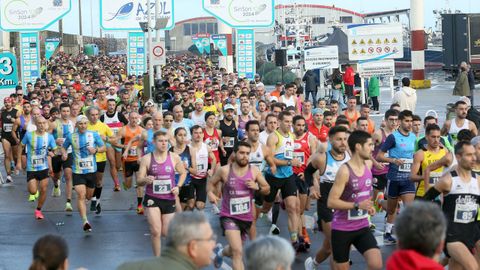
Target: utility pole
80 41
150 63
157 38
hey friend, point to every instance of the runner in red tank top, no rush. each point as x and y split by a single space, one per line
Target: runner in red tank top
211 136
304 147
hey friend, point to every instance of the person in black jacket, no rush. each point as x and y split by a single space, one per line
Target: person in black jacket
471 81
310 79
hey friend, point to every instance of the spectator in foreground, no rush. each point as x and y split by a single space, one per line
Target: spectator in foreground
189 245
269 253
50 252
420 240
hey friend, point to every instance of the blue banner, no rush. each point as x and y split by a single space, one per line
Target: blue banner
245 47
198 44
8 70
51 45
220 43
136 56
30 57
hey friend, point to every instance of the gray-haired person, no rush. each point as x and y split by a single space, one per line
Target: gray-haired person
269 253
189 245
421 230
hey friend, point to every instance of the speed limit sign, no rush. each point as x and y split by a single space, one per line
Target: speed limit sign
157 53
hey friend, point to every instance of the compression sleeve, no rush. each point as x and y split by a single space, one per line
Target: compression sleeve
309 171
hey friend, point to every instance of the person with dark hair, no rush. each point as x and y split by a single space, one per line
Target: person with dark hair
461 194
318 129
50 252
400 146
460 122
327 163
280 177
416 125
424 157
310 78
421 230
212 136
350 199
229 130
351 112
362 124
157 173
406 97
238 181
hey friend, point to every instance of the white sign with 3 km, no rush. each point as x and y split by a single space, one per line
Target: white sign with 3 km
157 53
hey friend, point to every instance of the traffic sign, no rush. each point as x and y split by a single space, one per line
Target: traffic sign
157 53
8 70
127 14
242 13
31 15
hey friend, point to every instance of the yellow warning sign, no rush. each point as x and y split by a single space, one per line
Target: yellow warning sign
362 42
378 41
354 51
354 42
386 41
394 40
362 51
370 41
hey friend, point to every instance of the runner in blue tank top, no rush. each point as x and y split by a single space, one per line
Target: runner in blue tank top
157 174
350 197
240 180
400 146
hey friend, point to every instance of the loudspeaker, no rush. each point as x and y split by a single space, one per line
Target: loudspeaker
281 57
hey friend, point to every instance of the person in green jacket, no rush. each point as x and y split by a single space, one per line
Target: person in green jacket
189 245
374 92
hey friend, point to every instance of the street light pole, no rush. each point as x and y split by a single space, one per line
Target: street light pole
158 68
150 63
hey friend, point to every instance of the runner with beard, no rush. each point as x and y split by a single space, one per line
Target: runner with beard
229 130
8 116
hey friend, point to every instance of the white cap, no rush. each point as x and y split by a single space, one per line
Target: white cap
82 118
466 100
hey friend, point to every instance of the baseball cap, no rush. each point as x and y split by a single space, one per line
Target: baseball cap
466 100
228 107
149 103
475 141
34 102
198 100
82 118
64 95
317 110
208 114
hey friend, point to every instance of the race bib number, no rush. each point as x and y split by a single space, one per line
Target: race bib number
465 213
406 166
213 143
200 167
288 152
434 177
132 151
240 206
85 164
7 127
357 214
300 156
230 142
162 186
38 160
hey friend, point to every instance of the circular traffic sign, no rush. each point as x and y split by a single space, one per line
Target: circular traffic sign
370 50
158 51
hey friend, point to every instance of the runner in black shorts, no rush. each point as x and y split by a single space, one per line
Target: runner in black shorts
8 116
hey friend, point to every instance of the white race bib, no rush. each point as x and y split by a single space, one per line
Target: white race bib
465 213
230 142
300 156
357 214
7 127
288 152
38 160
132 151
406 166
240 206
86 163
162 186
434 177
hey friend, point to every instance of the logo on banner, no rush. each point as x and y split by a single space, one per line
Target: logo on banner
123 12
51 45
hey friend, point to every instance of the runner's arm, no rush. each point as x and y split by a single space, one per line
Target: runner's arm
15 126
272 140
442 186
341 180
212 185
142 178
417 162
263 186
212 158
180 168
193 158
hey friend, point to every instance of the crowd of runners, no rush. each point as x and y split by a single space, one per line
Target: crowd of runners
247 151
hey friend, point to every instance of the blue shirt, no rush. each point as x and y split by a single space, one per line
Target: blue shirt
37 150
400 146
83 161
149 147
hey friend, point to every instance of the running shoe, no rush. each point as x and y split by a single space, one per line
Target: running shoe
31 198
140 209
98 209
310 264
218 260
388 239
274 229
372 227
306 237
93 206
38 214
377 204
125 186
68 207
300 245
56 192
9 179
87 227
116 188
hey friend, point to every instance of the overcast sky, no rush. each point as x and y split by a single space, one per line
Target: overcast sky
185 9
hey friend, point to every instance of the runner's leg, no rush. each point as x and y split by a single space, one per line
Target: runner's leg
154 218
234 248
